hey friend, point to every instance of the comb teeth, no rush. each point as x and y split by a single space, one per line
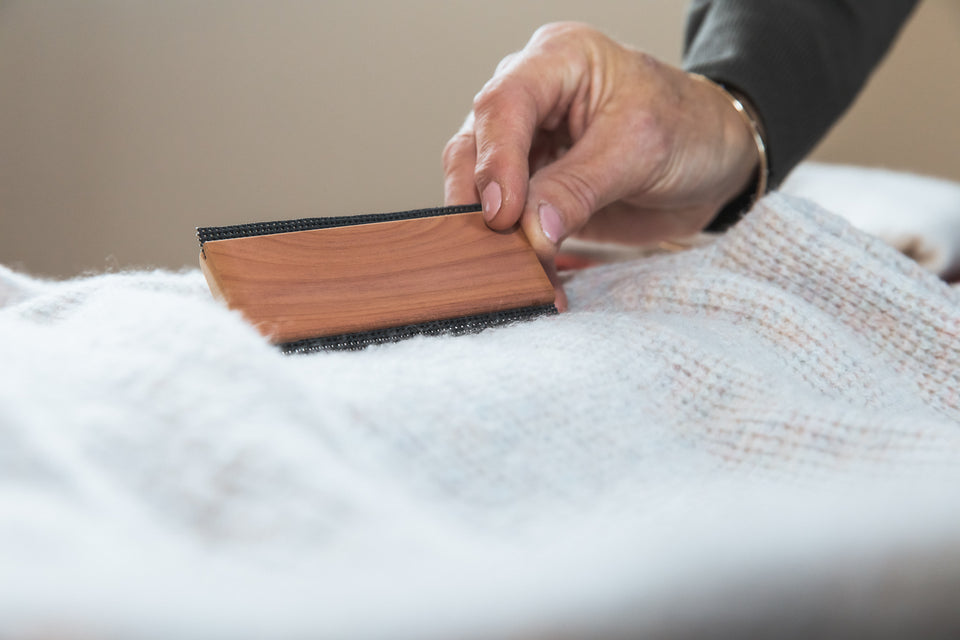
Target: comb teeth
205 234
453 326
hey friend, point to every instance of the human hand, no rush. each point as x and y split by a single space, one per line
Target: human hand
577 134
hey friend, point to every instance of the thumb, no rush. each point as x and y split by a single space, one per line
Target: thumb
564 194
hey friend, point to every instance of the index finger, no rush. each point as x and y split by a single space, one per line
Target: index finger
533 90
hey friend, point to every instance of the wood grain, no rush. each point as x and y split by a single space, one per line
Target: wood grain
306 284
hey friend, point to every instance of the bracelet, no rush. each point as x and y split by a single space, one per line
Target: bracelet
733 211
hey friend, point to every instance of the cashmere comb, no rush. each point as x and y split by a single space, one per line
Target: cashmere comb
351 281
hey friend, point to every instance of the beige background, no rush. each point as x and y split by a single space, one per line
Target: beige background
126 123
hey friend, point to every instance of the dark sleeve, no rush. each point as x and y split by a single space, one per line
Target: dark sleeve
799 62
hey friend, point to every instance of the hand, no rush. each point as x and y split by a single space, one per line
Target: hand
577 134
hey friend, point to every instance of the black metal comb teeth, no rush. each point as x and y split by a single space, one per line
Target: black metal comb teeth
205 234
453 326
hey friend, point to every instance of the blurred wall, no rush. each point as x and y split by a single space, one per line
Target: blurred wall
126 123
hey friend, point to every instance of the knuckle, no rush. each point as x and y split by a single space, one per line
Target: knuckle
647 62
582 190
506 61
494 153
560 31
485 97
485 164
498 90
459 146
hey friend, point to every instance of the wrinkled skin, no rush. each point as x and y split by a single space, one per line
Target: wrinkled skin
577 134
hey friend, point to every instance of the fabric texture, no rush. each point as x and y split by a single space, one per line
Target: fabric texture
754 438
917 215
801 64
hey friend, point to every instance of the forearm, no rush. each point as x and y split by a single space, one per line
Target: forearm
799 62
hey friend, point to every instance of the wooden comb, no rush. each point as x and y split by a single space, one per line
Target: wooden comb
351 281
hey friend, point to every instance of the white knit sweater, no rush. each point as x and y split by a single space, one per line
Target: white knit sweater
755 438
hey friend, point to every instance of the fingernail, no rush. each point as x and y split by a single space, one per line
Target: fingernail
491 197
550 222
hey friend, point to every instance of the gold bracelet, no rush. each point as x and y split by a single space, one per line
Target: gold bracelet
763 169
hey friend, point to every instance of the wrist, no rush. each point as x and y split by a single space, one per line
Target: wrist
756 186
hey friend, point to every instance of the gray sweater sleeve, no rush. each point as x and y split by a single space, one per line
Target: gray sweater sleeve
800 62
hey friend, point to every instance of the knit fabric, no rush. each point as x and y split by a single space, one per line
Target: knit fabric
874 200
755 438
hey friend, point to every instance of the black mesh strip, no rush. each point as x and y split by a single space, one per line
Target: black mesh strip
453 326
304 224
